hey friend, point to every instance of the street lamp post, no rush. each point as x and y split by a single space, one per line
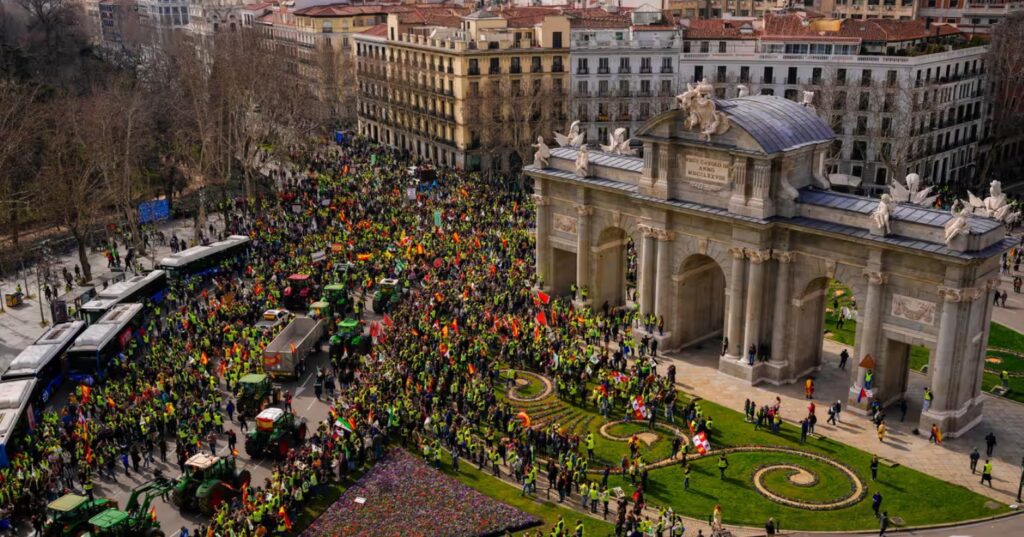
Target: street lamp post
1020 486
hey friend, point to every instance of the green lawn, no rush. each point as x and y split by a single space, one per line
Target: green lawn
533 387
832 485
1002 337
548 511
901 487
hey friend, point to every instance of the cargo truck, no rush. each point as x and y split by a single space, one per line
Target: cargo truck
285 357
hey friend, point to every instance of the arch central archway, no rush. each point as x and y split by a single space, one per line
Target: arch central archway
700 299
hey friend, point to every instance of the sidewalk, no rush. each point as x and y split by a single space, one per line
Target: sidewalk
697 373
19 327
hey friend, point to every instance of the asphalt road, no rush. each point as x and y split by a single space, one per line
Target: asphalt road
304 404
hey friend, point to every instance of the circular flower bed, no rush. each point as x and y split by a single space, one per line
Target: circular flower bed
816 483
530 387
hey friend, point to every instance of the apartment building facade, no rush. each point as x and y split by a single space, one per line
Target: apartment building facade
973 17
624 68
464 89
902 96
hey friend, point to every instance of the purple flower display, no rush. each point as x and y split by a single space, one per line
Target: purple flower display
405 497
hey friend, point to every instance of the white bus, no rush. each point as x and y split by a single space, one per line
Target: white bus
203 261
151 286
43 360
89 358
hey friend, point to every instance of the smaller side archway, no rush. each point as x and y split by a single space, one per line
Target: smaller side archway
700 300
610 267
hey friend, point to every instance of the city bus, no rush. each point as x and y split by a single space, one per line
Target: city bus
16 415
203 261
43 360
89 359
151 286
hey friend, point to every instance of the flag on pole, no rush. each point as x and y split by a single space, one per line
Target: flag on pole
863 393
387 321
543 297
700 441
525 419
472 370
152 513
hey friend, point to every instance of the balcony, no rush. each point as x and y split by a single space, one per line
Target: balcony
624 70
645 70
582 71
666 69
474 71
515 70
603 71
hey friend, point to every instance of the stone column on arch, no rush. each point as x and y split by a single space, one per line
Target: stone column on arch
760 195
869 327
734 326
543 240
646 268
664 284
739 184
583 242
954 301
780 314
755 298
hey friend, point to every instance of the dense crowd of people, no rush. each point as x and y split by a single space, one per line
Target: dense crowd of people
461 249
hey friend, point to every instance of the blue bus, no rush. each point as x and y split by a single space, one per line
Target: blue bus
203 261
151 286
89 359
43 360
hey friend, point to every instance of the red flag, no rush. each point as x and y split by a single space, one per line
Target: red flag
476 240
544 297
455 237
387 321
542 319
472 370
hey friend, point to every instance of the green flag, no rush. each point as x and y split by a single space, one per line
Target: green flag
373 159
437 218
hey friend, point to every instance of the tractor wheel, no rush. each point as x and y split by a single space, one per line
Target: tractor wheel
282 448
251 448
214 498
154 532
300 433
243 478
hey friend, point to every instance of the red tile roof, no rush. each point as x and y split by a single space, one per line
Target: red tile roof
380 30
719 29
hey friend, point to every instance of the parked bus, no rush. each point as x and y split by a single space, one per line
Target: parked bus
43 360
89 358
203 261
151 286
16 415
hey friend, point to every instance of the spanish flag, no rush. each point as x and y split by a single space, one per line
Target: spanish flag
152 513
283 515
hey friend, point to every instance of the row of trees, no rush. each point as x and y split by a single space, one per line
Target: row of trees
85 135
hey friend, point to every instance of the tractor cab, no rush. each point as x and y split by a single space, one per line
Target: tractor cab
349 337
277 432
337 298
387 296
70 514
296 293
253 392
318 310
110 522
207 482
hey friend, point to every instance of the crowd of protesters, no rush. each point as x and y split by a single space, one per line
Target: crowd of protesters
461 250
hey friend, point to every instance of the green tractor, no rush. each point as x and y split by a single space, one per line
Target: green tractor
387 296
276 433
69 515
137 520
337 298
253 393
208 481
349 336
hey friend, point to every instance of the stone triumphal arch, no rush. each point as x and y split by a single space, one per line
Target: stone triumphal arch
737 236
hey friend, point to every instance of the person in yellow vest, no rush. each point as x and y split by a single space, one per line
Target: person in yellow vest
590 446
986 473
579 528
